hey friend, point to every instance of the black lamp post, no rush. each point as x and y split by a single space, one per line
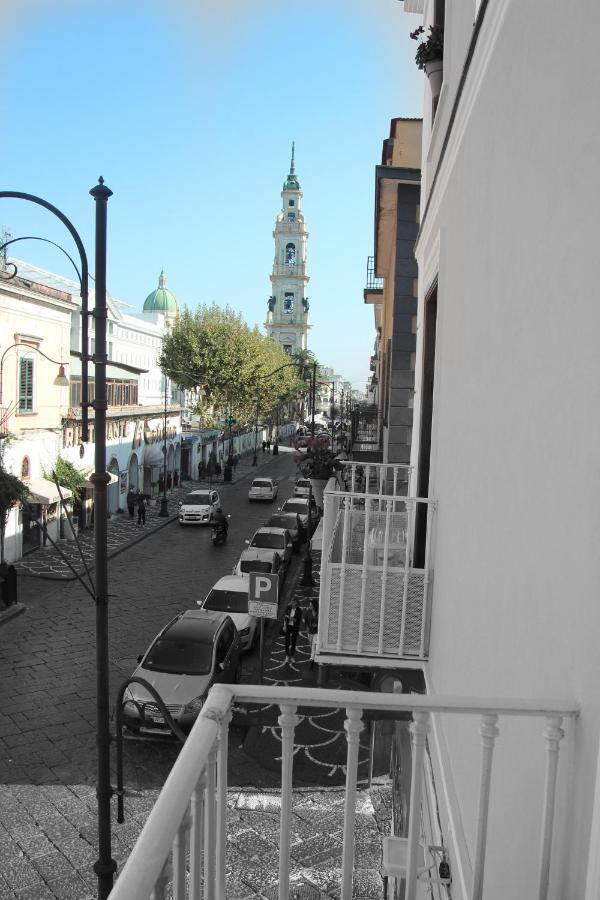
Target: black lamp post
105 866
164 503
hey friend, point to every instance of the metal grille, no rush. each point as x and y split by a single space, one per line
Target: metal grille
373 283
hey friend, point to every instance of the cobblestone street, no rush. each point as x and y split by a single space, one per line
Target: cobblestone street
47 721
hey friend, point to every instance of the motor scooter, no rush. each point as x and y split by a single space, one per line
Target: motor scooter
219 534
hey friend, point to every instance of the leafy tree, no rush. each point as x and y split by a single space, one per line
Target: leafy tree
68 476
12 491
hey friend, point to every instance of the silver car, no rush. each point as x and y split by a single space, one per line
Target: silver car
194 651
278 539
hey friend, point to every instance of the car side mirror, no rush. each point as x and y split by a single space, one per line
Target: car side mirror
247 542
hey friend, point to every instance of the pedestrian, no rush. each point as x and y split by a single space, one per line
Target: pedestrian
131 502
292 620
269 445
9 584
312 628
141 508
236 460
264 446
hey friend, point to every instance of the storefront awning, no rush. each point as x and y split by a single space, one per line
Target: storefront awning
45 492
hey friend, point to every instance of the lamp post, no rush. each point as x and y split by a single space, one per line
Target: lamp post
105 866
164 503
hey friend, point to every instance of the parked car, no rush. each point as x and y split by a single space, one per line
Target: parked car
193 651
230 595
300 506
260 560
278 539
263 489
302 487
293 523
197 507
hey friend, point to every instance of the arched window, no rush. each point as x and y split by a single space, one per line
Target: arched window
290 254
25 468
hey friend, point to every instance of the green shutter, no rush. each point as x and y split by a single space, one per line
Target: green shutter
25 385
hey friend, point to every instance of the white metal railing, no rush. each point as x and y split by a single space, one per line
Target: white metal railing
375 569
190 815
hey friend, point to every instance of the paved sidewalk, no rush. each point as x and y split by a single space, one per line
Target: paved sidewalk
123 530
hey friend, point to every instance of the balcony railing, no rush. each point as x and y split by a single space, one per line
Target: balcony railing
373 282
374 595
298 270
182 850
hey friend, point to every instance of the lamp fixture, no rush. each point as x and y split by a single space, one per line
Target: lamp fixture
61 379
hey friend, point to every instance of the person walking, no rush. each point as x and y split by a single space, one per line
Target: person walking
131 502
141 509
312 627
292 619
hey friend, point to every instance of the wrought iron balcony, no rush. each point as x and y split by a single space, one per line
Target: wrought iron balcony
374 595
182 850
373 282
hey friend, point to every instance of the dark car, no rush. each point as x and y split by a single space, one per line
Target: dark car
294 525
194 651
300 506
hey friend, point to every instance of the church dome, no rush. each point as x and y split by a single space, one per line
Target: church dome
161 300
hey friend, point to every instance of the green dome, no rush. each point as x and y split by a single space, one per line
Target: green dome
161 300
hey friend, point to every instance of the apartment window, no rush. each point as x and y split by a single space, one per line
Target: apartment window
25 468
25 384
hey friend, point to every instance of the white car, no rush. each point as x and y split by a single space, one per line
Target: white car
263 489
302 487
278 539
198 506
300 505
230 595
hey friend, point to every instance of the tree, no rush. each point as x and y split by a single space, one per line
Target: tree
215 348
12 491
65 474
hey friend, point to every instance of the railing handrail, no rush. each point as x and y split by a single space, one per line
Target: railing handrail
147 859
391 498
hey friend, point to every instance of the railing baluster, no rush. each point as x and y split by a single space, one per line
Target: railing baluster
210 825
353 726
418 730
222 802
410 507
179 850
553 734
364 578
197 838
386 549
160 888
489 732
345 530
288 721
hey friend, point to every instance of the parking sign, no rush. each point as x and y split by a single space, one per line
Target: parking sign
263 595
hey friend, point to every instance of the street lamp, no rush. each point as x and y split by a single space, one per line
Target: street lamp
61 379
105 866
164 503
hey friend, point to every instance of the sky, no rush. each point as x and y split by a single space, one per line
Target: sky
188 110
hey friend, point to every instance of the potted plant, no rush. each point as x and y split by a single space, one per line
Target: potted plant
318 464
430 54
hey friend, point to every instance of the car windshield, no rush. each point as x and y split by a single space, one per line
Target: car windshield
292 507
255 565
288 522
268 541
179 655
301 483
196 500
227 601
261 484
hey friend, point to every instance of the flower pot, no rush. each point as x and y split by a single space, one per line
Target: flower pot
435 72
318 487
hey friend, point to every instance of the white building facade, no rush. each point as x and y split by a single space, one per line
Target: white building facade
288 319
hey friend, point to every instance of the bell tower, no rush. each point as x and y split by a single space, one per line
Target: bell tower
288 319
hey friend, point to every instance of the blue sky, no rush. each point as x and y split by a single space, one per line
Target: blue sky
188 110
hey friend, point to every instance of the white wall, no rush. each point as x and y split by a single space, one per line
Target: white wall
516 428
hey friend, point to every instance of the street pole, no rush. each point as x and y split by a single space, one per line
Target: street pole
105 866
313 393
333 417
164 503
254 459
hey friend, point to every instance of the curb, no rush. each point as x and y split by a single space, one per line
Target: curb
15 610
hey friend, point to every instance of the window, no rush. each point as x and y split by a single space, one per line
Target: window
287 348
291 217
25 468
288 302
290 202
25 384
290 254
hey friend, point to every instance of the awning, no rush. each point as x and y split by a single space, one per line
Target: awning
45 492
89 485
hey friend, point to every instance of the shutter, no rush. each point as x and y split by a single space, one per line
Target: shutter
25 385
